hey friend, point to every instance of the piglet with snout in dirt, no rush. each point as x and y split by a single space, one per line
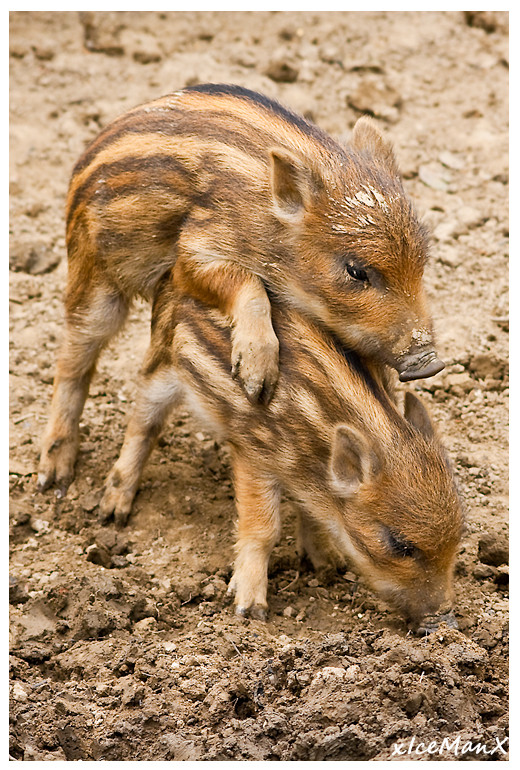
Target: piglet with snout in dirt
372 486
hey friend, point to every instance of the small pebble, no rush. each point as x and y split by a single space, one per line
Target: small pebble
483 572
98 554
19 694
17 591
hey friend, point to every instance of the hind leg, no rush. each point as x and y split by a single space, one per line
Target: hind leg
93 315
158 393
159 390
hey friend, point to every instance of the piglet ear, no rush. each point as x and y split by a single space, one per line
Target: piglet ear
417 414
293 185
367 136
352 462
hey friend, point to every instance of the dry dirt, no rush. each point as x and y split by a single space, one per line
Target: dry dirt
122 646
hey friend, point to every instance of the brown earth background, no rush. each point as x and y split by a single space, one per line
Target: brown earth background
122 646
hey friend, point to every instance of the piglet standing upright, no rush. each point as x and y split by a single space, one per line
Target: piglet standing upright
248 201
371 485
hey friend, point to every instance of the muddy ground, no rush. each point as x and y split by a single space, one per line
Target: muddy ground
122 646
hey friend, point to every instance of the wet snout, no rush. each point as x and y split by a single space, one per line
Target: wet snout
422 605
419 364
431 623
426 619
425 610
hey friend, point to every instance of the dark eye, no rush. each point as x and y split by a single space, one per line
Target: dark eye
357 273
399 546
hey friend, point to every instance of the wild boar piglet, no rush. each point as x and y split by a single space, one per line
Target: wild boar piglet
371 486
248 201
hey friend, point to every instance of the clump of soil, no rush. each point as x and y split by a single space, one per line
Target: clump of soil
122 643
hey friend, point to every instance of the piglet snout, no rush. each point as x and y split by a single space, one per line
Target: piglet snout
419 365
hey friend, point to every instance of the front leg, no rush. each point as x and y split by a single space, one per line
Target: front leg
241 296
316 543
258 506
254 345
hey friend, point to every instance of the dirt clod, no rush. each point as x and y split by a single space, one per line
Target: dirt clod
281 71
493 549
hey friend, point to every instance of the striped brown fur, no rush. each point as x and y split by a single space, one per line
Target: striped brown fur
246 201
371 484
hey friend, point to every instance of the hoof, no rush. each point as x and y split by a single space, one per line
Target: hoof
44 481
121 518
255 612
